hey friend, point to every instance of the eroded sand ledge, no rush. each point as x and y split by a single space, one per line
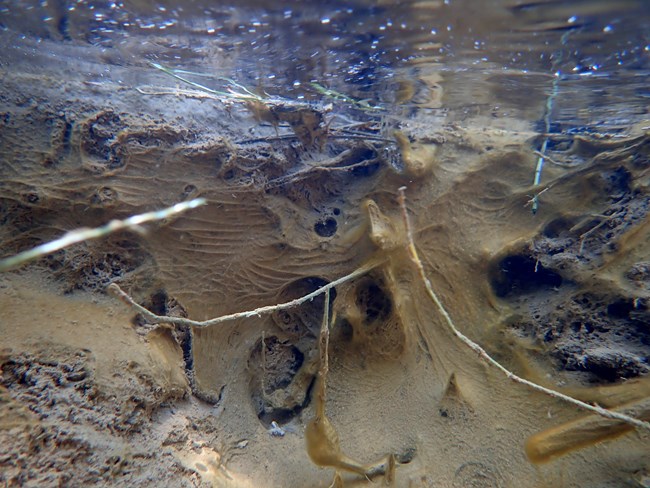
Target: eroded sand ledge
88 397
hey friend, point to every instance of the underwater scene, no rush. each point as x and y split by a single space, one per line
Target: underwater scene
325 244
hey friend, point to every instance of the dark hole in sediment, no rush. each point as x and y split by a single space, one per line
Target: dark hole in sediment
344 330
326 227
285 415
362 162
517 275
618 181
274 364
373 302
620 309
609 368
305 319
366 170
158 303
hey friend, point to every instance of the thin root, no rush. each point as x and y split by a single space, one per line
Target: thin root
483 354
116 291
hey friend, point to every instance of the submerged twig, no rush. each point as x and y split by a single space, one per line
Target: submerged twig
282 137
583 237
321 437
535 196
115 290
154 91
80 235
323 348
257 140
552 161
482 353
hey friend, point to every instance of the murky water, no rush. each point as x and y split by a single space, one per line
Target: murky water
590 58
520 131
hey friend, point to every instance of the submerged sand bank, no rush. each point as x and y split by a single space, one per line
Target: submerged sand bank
92 396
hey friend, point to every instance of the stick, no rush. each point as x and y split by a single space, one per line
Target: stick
115 290
84 234
548 112
482 353
583 237
323 345
283 137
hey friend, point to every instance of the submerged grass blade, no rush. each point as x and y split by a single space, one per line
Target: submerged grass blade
247 95
335 95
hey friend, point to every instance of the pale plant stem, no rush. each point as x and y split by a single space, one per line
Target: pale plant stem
323 345
114 289
82 235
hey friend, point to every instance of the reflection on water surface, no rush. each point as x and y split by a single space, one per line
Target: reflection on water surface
510 50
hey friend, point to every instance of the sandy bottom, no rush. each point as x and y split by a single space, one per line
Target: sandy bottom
92 395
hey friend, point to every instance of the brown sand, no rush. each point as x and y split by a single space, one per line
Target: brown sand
90 398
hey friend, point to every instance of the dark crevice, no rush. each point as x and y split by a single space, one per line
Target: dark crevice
520 274
620 309
274 365
305 319
285 415
366 170
326 227
373 302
